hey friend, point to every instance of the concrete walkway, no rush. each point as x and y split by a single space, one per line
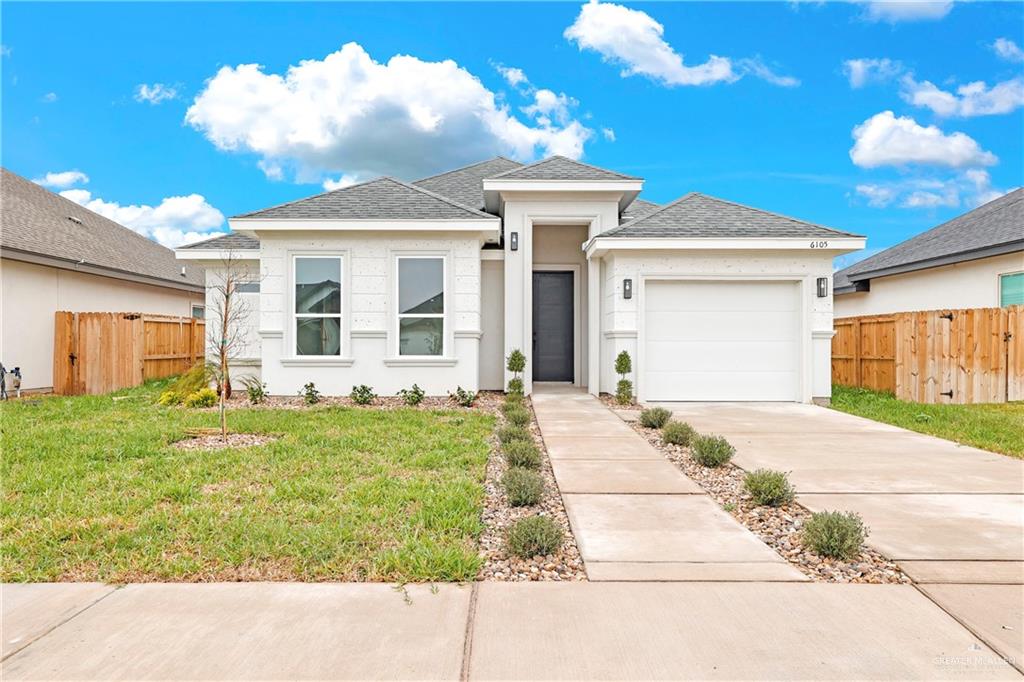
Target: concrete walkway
951 515
634 514
490 631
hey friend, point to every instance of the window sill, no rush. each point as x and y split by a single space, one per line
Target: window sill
314 361
420 362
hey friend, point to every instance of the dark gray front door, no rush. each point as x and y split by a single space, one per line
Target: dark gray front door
552 326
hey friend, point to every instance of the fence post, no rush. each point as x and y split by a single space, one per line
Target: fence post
857 377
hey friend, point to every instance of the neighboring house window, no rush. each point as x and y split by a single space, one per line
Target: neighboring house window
317 305
247 288
420 305
1011 289
198 312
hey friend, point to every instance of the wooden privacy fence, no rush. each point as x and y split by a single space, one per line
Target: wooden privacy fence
102 352
934 356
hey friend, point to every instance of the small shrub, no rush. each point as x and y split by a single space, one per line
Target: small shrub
678 433
168 398
712 451
533 536
412 396
835 534
515 363
515 386
463 397
255 390
513 401
654 417
198 376
309 394
624 392
522 453
767 487
204 397
518 417
522 486
507 434
362 395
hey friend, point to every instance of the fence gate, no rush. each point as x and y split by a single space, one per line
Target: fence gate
96 353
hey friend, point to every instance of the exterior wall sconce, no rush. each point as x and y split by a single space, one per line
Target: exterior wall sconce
627 288
822 287
513 241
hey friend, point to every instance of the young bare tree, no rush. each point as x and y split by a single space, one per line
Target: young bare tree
227 319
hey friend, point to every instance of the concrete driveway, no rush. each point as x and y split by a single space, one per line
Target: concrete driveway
952 515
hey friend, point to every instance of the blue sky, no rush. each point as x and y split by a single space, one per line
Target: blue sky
860 116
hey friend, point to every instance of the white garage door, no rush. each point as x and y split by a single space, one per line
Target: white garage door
721 340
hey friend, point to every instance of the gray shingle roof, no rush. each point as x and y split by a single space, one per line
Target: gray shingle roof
232 241
381 199
697 215
38 221
999 223
561 168
638 209
466 185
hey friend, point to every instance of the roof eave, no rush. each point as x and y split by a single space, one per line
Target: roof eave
100 270
939 261
493 188
221 255
598 246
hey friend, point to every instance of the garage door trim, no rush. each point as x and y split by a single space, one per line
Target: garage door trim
804 282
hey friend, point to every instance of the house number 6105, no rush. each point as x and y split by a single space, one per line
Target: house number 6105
819 245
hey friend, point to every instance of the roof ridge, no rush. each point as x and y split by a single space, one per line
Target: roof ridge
553 157
437 196
472 165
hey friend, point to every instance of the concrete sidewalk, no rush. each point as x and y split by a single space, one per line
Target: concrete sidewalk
583 631
634 514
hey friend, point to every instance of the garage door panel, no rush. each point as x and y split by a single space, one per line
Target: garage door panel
728 355
719 326
721 340
689 295
722 385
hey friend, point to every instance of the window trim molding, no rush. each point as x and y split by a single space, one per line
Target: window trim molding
290 336
447 340
999 286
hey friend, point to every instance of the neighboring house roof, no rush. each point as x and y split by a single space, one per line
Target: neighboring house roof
638 209
560 168
991 229
232 241
48 228
466 185
381 199
700 216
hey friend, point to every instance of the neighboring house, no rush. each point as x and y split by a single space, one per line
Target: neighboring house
56 255
388 283
973 261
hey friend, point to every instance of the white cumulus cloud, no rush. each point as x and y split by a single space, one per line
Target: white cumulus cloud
173 222
512 75
895 11
342 182
635 41
969 188
155 93
348 113
62 179
887 140
861 72
971 99
1008 50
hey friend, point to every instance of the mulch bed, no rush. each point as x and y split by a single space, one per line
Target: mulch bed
213 441
238 400
778 527
499 565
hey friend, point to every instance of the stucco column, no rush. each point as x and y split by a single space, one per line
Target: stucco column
593 325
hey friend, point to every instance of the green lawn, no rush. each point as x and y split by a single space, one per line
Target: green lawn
995 427
92 491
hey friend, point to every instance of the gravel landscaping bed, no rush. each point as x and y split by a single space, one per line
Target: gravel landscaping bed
778 527
498 515
213 441
238 400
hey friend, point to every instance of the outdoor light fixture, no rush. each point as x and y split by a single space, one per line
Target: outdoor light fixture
822 287
513 241
627 288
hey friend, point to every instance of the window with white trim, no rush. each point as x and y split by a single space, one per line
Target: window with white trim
421 305
317 305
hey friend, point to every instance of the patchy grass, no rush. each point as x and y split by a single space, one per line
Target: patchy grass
92 490
995 427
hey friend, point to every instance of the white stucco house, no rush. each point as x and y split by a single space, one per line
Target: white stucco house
56 255
973 261
434 282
